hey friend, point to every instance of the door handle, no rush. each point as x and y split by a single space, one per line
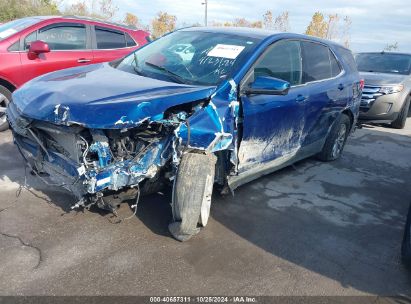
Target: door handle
83 60
341 87
301 99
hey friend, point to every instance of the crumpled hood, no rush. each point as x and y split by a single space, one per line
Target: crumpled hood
377 79
100 96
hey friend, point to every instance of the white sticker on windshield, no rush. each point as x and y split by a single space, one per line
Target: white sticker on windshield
226 51
7 33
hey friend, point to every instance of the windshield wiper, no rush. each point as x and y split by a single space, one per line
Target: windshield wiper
173 75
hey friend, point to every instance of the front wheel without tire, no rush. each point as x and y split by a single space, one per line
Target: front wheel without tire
5 97
192 190
335 142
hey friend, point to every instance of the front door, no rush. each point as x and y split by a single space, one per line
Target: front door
273 125
69 47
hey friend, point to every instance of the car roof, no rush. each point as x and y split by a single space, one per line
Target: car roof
86 19
258 33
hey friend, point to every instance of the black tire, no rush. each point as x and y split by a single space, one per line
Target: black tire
337 136
406 242
4 92
191 186
399 123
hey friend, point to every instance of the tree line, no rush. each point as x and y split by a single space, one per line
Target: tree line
332 26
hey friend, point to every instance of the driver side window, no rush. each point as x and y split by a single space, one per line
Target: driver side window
282 60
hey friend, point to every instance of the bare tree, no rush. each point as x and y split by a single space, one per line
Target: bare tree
108 9
346 32
268 21
242 22
391 47
282 23
333 30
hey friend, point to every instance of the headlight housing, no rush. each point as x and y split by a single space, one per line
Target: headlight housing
391 89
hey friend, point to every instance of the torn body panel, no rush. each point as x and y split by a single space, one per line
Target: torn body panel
135 147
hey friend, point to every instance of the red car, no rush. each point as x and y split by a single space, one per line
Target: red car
33 46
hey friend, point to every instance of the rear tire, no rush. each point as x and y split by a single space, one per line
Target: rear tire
399 123
5 97
335 142
192 190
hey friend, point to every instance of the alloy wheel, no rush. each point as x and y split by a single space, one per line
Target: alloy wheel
3 105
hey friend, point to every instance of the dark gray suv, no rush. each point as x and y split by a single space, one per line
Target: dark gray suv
387 91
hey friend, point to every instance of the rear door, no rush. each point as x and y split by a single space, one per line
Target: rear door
110 44
327 87
70 46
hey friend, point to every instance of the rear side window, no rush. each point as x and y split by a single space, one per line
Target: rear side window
14 47
129 40
319 62
283 61
63 36
348 58
335 67
109 39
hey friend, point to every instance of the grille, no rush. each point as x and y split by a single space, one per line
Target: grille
369 95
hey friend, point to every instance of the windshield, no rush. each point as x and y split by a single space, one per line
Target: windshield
191 57
384 63
12 27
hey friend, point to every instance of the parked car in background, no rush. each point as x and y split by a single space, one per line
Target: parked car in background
247 103
33 46
387 92
406 242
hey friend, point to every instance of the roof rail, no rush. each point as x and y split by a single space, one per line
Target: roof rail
131 27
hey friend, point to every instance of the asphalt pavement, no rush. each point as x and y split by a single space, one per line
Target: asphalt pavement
310 229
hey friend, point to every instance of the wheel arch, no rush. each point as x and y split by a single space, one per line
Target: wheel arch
7 84
350 114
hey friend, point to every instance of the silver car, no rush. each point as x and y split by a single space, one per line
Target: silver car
387 92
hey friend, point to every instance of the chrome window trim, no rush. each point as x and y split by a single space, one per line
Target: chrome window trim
342 70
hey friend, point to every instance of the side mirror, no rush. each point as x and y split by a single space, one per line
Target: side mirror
36 48
268 86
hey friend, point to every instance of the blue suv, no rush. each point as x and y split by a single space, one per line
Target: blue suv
199 108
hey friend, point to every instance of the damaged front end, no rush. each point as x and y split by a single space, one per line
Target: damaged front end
107 166
93 163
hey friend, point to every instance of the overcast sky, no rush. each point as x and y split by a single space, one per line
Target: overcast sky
374 22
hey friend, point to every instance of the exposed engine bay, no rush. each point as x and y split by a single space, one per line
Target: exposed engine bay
104 167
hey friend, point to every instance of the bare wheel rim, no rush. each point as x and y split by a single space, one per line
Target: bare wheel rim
3 105
339 141
206 203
